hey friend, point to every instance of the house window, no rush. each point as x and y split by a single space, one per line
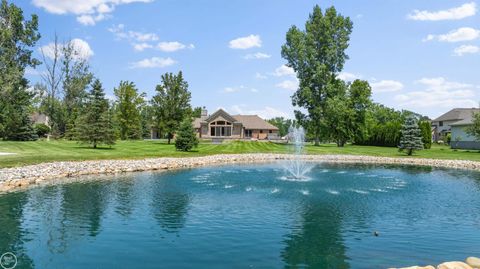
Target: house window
212 131
248 133
270 131
261 131
440 123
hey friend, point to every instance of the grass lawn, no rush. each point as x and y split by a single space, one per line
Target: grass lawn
48 151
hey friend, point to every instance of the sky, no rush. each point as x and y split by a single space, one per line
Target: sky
422 56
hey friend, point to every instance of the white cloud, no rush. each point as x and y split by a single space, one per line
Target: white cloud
283 71
154 62
81 48
246 42
141 46
345 76
458 35
438 93
288 85
173 46
260 76
466 49
88 11
230 89
238 89
257 55
133 36
386 86
456 13
264 113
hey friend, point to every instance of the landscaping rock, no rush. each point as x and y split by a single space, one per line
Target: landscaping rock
473 262
416 267
454 265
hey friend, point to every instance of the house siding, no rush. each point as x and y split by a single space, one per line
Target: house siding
462 140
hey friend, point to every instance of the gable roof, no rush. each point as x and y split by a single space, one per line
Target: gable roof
466 121
222 113
457 114
254 122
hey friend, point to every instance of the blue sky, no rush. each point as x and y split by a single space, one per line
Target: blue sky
417 55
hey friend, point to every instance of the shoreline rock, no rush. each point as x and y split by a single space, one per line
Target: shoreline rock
21 177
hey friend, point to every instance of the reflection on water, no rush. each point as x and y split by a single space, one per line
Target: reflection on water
247 217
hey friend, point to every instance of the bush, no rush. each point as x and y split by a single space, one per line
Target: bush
449 138
186 137
41 129
426 128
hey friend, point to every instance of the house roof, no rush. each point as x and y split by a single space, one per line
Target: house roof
457 114
253 122
466 121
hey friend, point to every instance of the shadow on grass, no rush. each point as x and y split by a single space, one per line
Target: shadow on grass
98 148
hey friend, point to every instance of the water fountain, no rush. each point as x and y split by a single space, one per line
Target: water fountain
297 167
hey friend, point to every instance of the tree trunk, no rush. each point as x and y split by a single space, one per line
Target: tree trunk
169 138
317 141
94 145
410 151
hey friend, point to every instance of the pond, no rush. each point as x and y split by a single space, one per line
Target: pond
247 216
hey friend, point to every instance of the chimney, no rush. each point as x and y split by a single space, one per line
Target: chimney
204 112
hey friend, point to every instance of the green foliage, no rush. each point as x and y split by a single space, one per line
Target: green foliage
360 93
41 129
448 138
382 127
127 110
426 128
17 38
411 139
317 54
95 123
171 104
282 124
186 138
474 129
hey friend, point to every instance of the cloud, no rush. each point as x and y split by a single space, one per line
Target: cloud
288 85
88 12
265 113
257 55
141 46
81 48
283 71
246 42
439 93
173 46
154 62
133 36
456 13
458 35
260 76
345 76
386 86
238 89
466 49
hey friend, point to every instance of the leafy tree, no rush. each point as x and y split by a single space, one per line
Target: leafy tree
127 110
186 138
474 129
317 55
359 101
282 124
426 128
171 103
95 123
17 37
339 118
41 129
411 136
382 127
147 116
197 112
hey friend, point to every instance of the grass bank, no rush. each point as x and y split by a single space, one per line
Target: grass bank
49 151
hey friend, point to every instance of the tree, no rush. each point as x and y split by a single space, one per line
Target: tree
474 129
359 101
282 124
95 123
127 110
426 128
17 37
317 55
339 119
411 136
186 138
171 103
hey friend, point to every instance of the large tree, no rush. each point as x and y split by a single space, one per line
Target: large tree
359 101
128 106
171 103
95 123
17 38
317 55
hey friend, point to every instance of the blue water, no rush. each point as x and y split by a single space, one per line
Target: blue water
247 216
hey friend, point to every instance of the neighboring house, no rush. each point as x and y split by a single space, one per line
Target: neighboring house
38 118
460 139
221 125
442 125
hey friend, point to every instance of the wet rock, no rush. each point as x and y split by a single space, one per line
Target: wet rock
454 265
473 262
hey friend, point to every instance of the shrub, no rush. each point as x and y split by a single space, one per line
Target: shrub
41 129
426 129
186 138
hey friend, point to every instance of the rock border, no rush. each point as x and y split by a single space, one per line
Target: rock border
31 175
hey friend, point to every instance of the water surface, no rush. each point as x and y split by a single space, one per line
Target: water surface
247 216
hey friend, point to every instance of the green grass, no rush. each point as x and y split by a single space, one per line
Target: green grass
48 151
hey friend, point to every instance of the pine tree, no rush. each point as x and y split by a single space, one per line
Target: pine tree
95 123
186 138
411 139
